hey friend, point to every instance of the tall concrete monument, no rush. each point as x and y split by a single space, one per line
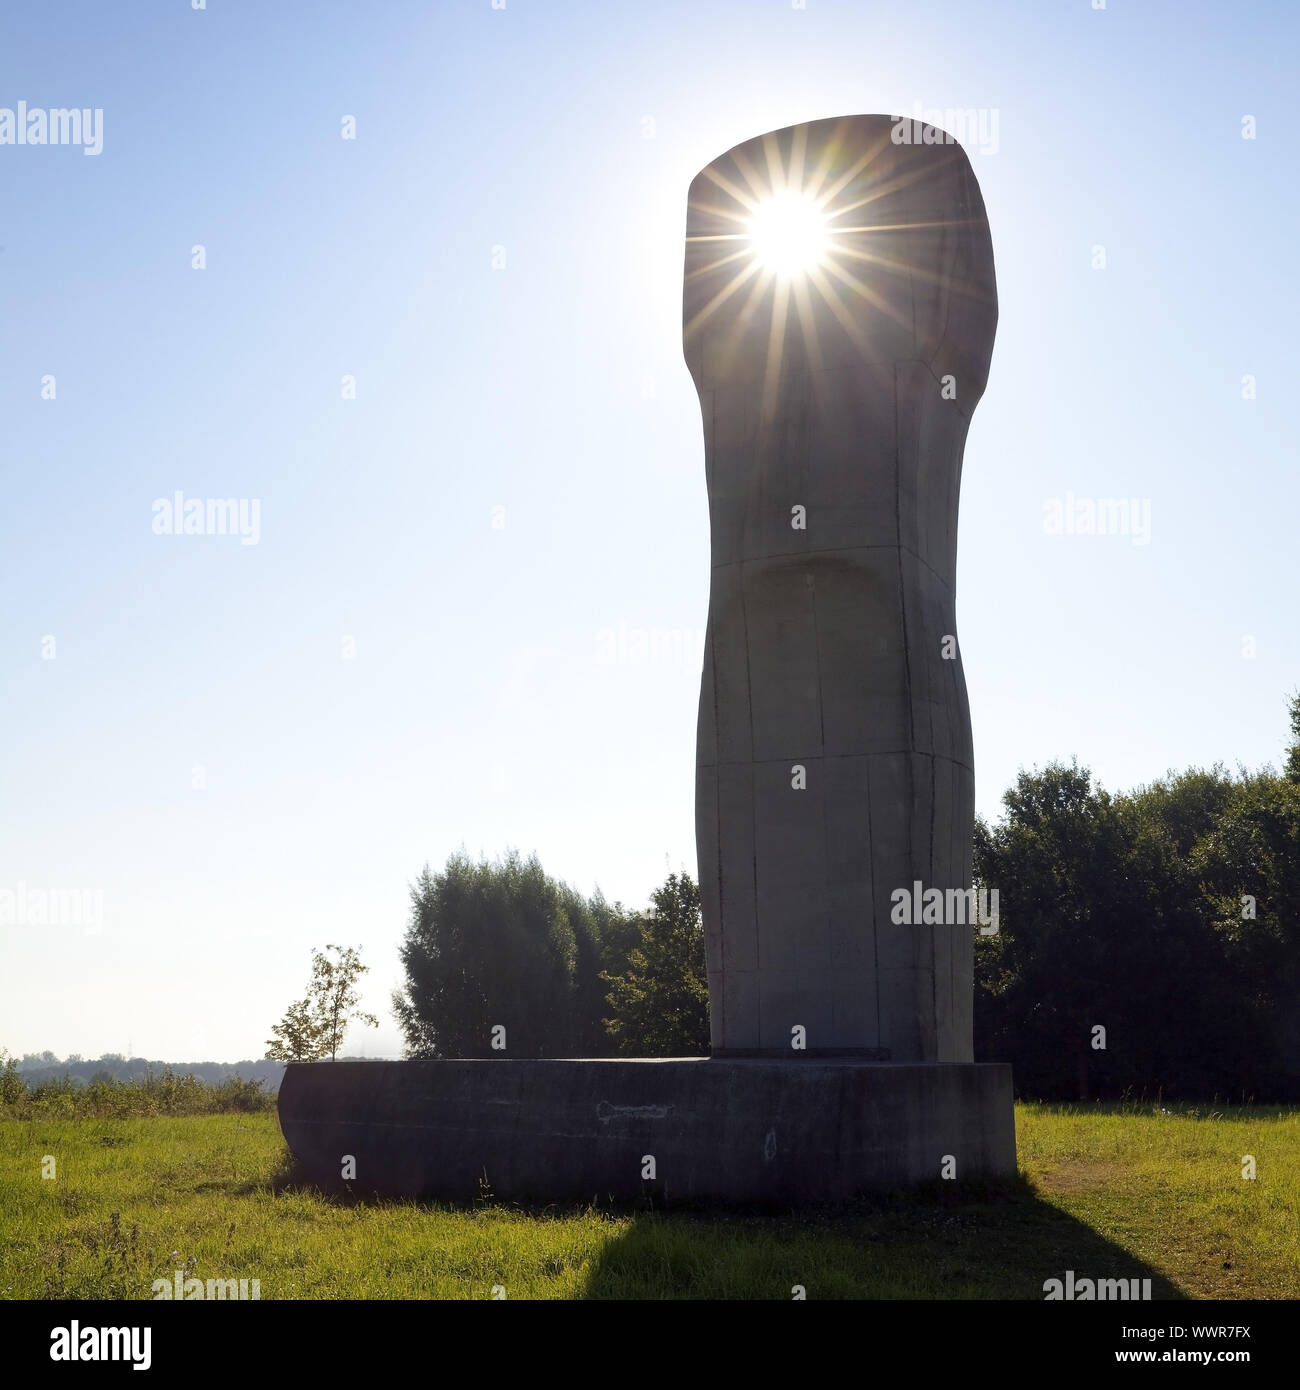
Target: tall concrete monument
839 315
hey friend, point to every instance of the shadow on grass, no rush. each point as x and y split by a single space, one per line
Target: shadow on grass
934 1242
940 1240
291 1176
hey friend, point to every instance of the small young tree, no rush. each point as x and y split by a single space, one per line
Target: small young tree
12 1086
297 1036
313 1027
334 996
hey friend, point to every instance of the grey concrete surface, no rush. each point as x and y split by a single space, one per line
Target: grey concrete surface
718 1130
826 644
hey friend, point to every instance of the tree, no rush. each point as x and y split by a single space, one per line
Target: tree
297 1037
334 996
1102 925
314 1027
660 1003
492 954
588 1037
1248 866
619 931
1292 768
12 1086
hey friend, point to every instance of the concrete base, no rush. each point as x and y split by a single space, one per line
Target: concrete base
717 1129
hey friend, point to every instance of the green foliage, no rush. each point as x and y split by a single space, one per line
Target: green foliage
494 945
12 1086
587 921
165 1093
620 932
334 996
1249 872
1292 768
503 945
314 1027
1169 916
298 1037
38 1067
659 1004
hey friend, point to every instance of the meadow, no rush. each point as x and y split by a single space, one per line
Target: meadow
1109 1191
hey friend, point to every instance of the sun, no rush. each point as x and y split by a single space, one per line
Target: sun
788 234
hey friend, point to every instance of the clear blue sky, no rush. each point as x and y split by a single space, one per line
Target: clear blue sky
476 710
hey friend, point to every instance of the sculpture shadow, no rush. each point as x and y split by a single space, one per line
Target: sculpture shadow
936 1241
992 1241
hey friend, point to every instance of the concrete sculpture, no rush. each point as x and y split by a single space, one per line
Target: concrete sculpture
839 317
840 309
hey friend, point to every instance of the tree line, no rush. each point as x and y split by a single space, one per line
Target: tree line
1148 943
35 1095
501 959
42 1068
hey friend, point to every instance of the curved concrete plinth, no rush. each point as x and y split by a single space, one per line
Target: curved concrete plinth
718 1129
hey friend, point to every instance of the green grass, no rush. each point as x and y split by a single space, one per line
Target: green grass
1169 1187
1109 1191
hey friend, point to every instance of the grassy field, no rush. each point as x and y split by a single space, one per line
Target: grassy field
1108 1191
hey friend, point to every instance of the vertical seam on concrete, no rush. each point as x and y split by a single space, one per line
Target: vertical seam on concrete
717 756
934 974
954 981
902 588
871 890
902 603
817 656
828 926
749 706
821 767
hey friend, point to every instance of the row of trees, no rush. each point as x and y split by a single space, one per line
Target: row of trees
500 958
38 1068
1168 918
1148 942
104 1096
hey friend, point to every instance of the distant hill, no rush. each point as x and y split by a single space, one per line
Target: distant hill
45 1066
